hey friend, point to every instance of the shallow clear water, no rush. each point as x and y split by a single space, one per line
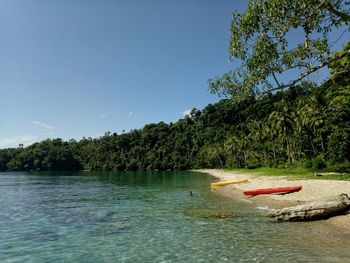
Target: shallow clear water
144 217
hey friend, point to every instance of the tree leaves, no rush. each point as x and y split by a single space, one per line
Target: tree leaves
260 41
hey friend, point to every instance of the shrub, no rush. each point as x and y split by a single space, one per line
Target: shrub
319 162
308 164
342 168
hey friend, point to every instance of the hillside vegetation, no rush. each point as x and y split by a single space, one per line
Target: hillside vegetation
301 126
267 118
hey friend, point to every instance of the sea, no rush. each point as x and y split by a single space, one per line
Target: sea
146 217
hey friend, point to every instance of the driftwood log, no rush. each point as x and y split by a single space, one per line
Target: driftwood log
313 211
328 174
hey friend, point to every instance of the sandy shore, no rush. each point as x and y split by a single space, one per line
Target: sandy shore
312 190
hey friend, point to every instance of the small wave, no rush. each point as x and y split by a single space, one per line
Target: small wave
263 208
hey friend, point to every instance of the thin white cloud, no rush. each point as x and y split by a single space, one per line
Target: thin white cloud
44 125
186 112
102 115
14 141
130 114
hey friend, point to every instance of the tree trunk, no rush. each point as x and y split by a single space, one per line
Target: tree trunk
313 148
322 145
288 153
245 159
264 156
313 211
274 154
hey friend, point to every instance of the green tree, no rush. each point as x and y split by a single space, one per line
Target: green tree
260 41
283 123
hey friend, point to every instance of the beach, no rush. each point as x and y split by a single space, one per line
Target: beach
312 190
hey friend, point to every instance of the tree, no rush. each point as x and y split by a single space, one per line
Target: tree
260 41
283 123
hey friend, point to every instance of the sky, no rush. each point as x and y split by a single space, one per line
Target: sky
74 68
80 68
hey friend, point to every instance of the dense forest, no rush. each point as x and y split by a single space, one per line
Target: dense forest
294 123
304 125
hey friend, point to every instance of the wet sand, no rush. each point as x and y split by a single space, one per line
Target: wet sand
312 190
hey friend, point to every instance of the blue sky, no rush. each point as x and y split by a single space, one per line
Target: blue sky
74 68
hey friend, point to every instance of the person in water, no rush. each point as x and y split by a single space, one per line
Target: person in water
190 193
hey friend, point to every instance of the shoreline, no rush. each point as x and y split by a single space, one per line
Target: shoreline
312 190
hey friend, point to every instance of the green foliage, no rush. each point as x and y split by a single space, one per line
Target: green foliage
295 171
260 42
308 164
49 155
341 168
319 162
302 125
211 156
299 126
298 172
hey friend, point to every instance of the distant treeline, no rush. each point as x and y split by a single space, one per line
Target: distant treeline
303 125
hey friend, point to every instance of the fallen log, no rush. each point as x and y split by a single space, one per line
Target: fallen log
325 174
313 211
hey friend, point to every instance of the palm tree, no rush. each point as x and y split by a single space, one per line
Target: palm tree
259 134
236 147
283 123
310 120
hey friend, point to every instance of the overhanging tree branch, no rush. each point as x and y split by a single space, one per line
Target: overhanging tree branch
260 40
276 80
310 71
336 12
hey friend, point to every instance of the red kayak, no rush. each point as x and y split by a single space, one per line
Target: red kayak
281 190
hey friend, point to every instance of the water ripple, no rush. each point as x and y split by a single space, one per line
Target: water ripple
144 217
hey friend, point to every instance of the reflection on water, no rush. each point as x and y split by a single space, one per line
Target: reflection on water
145 217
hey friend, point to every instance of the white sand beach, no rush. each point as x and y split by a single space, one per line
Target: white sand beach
311 190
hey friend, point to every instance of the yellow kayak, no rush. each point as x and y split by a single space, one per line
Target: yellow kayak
229 182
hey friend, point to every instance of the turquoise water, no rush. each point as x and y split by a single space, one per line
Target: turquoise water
144 217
